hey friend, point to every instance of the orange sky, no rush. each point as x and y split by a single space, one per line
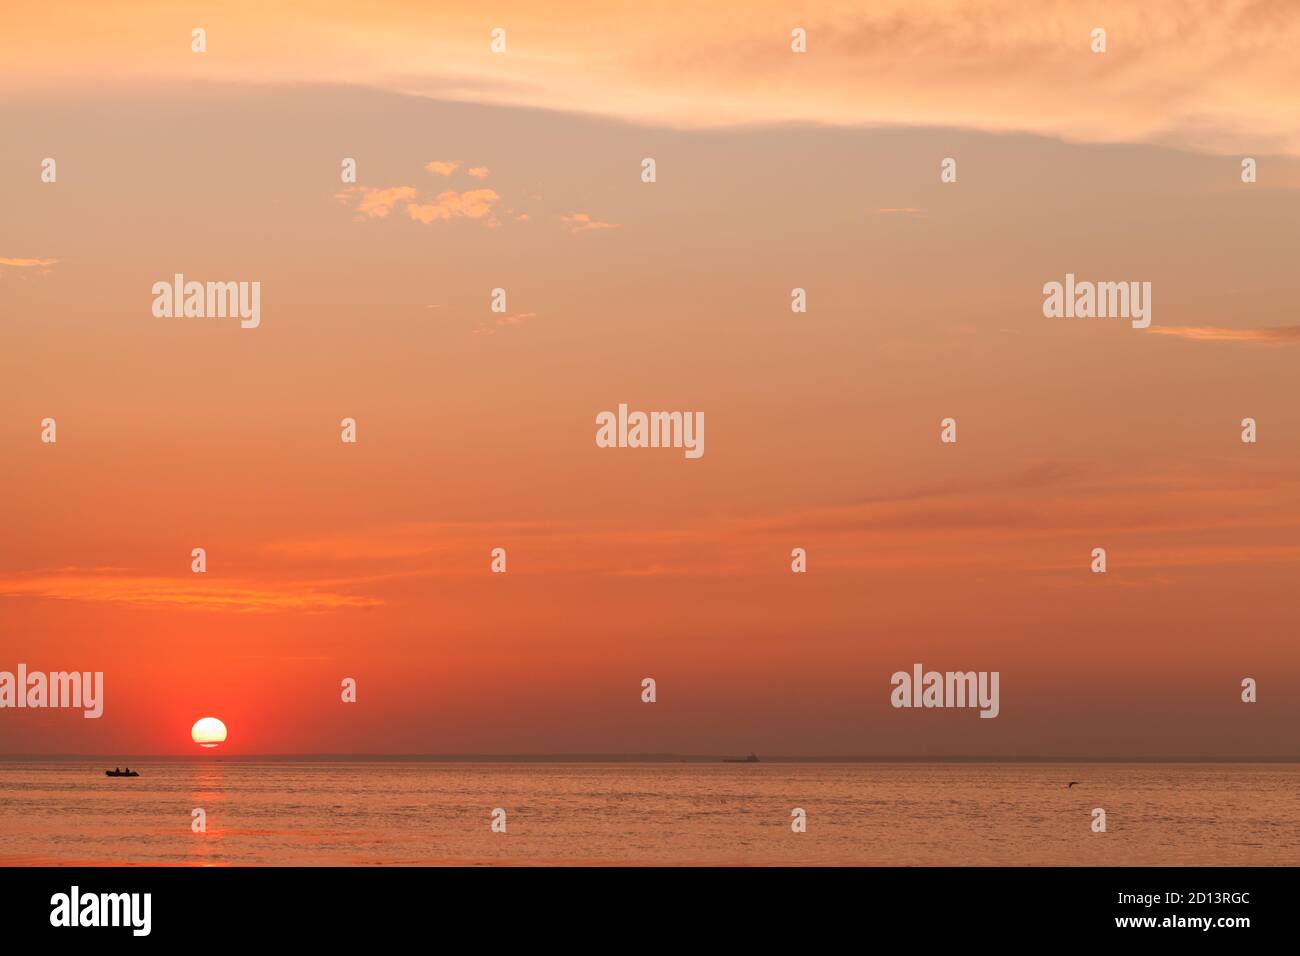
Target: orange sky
476 430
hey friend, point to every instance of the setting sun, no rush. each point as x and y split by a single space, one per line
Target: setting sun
208 732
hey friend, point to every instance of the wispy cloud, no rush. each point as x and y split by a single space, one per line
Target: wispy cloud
1276 335
1207 75
518 318
27 263
37 266
471 204
445 167
401 541
116 587
1033 520
375 203
582 222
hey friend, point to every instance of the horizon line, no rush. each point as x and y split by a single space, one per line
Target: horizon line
655 758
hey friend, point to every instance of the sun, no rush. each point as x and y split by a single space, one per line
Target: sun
208 732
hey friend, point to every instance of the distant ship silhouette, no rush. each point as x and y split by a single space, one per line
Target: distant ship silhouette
118 773
752 758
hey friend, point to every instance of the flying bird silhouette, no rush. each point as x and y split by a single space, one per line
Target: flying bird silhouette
1070 784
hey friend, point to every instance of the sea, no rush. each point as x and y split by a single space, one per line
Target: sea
411 812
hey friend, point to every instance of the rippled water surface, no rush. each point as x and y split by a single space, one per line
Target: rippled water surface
427 813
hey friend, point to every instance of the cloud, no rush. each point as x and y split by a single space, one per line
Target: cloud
29 266
581 222
443 167
900 211
27 263
1208 76
1030 520
1276 335
402 541
1216 76
471 204
376 203
98 586
478 172
519 318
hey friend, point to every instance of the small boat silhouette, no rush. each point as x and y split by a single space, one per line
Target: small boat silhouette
120 773
752 758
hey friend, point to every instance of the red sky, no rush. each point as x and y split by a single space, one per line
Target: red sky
476 430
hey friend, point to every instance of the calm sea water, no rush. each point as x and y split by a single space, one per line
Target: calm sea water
429 813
